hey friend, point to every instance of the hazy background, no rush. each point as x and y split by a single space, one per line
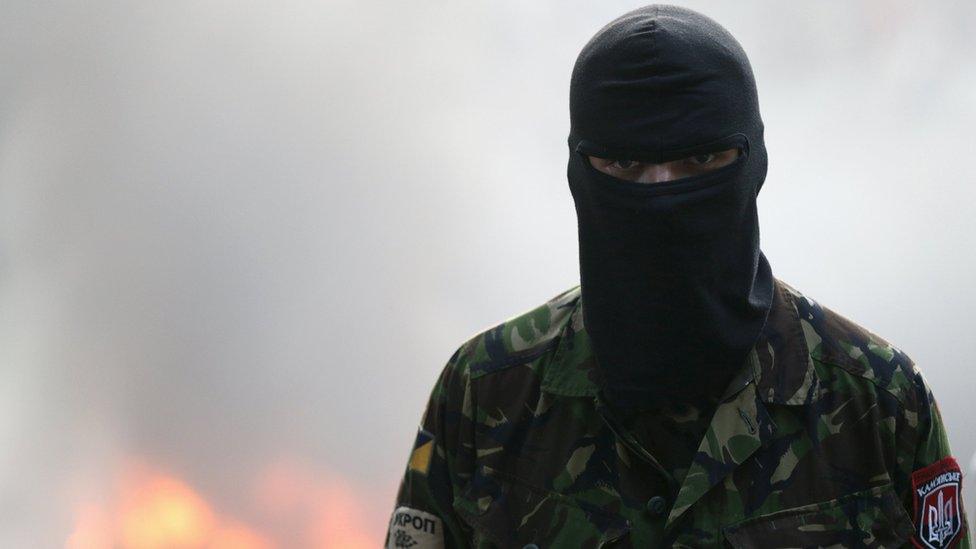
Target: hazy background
239 240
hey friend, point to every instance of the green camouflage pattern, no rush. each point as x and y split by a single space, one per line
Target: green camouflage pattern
812 444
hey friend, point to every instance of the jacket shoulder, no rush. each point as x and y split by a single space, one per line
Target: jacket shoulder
519 339
837 341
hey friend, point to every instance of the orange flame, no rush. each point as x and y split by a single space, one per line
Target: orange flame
166 513
297 509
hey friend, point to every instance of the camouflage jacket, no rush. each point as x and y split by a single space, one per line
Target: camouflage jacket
829 436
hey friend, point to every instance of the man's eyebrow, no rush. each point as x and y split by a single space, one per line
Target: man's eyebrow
736 149
737 141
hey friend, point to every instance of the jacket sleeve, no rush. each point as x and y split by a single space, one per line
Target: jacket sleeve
437 467
931 459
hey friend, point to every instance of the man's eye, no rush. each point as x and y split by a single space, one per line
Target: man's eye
624 164
701 159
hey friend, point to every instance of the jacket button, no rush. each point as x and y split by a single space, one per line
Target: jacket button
530 546
656 505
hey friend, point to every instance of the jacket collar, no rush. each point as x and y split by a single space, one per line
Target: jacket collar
779 365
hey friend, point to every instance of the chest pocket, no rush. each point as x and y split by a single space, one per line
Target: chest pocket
505 511
870 518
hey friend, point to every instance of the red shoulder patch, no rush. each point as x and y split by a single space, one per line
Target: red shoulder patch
936 490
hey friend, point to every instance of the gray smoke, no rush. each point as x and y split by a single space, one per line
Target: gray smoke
237 232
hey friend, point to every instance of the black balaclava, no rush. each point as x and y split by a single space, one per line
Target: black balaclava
675 288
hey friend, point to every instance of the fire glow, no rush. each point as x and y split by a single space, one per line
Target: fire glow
290 505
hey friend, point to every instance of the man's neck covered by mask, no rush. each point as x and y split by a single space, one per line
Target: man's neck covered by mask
675 288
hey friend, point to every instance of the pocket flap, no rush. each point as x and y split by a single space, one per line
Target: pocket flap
511 513
869 518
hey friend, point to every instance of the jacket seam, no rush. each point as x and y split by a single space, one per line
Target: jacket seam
857 372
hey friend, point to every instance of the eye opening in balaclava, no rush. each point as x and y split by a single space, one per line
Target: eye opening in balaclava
737 141
675 289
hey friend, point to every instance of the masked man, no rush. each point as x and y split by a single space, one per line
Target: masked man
681 396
